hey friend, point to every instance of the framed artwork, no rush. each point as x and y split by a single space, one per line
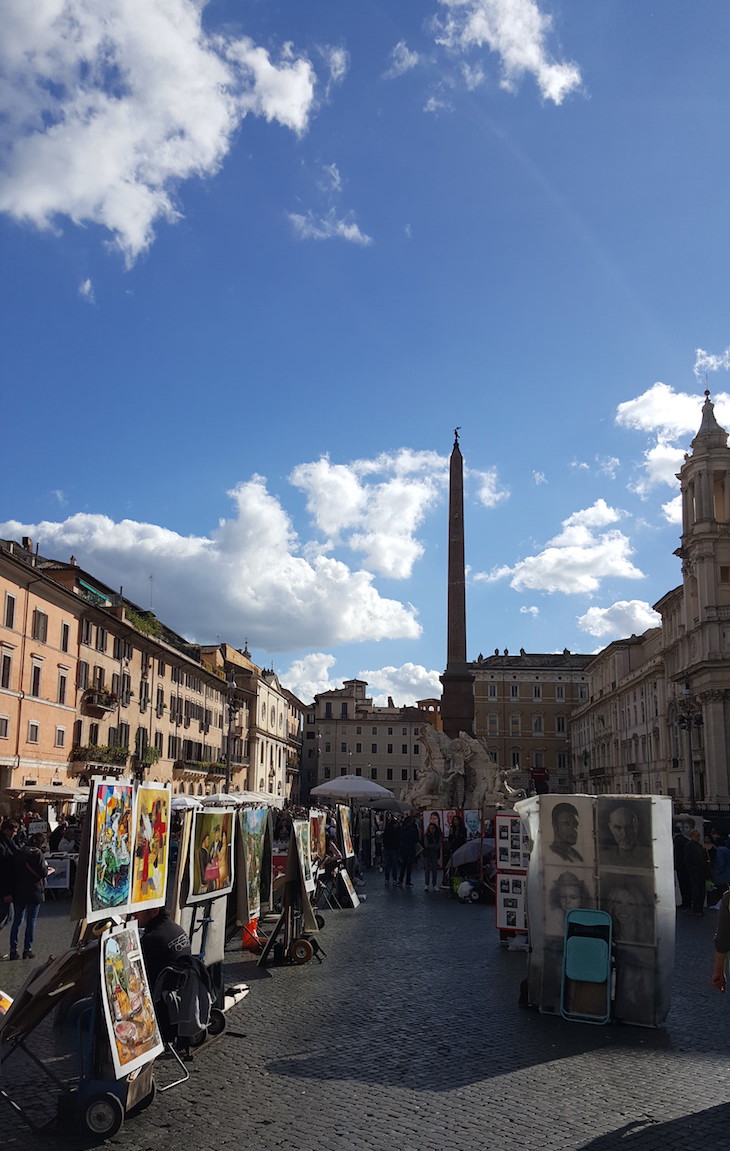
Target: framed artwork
134 1037
58 879
301 835
347 848
112 832
567 887
252 826
318 835
350 893
5 1001
512 843
473 821
151 846
624 833
210 855
567 830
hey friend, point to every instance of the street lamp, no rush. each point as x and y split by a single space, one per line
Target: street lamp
689 716
232 708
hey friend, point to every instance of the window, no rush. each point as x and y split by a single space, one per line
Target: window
404 773
373 773
60 737
343 711
404 749
493 723
390 749
310 753
582 691
562 761
343 747
86 631
9 610
98 677
161 669
358 771
373 749
35 679
40 625
358 731
6 670
390 731
94 734
328 711
560 691
62 685
560 724
358 747
101 638
514 691
515 759
82 675
514 723
389 773
492 691
65 636
416 749
4 726
33 731
537 691
537 725
328 746
404 731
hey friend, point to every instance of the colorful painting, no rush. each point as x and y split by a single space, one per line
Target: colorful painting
211 854
252 822
347 848
59 872
350 893
134 1037
301 834
112 830
5 1002
318 835
151 845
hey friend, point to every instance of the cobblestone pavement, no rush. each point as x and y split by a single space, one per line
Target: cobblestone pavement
408 1036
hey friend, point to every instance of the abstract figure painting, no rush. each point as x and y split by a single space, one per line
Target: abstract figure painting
211 854
252 826
112 831
149 865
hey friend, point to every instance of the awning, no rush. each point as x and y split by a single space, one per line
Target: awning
61 792
94 591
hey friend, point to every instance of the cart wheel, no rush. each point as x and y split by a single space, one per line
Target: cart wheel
301 951
102 1114
217 1023
475 896
320 920
199 1039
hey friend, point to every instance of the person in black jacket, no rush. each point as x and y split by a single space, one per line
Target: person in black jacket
8 849
163 941
29 891
391 837
408 841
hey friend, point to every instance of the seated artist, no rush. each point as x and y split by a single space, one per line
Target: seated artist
163 941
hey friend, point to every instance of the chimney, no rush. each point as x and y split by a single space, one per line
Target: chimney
27 543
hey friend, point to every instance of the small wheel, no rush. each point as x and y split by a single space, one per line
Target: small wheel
475 896
199 1039
301 951
320 920
102 1114
217 1023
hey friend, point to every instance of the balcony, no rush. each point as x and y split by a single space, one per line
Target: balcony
100 700
109 760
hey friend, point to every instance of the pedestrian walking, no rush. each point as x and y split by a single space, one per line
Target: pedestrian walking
432 850
29 891
408 842
391 837
698 870
8 849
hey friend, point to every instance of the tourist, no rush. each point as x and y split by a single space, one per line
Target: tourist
432 849
408 842
29 882
698 869
391 837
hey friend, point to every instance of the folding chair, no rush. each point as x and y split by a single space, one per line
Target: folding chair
586 990
327 882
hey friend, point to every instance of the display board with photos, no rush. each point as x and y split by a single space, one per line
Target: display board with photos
210 854
129 1013
511 842
613 853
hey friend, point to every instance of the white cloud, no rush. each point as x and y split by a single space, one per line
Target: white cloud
109 104
249 577
672 510
473 76
332 180
707 362
672 419
404 684
539 478
338 61
86 291
402 60
489 493
586 551
608 466
517 31
533 611
328 227
579 465
378 520
622 619
436 104
310 675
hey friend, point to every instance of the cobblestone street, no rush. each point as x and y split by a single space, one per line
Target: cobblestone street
409 1036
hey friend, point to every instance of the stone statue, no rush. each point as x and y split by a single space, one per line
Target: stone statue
459 773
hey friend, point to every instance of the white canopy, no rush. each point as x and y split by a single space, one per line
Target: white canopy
351 787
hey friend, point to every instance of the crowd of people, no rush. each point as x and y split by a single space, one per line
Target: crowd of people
403 840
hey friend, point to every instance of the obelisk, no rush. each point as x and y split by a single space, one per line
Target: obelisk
457 699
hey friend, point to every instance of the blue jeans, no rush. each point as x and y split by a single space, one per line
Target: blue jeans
390 864
31 914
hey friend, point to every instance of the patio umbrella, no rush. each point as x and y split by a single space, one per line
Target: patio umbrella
391 804
471 851
220 799
351 787
184 803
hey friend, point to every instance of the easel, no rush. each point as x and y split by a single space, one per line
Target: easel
297 922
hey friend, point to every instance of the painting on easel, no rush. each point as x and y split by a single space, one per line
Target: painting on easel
134 1037
151 840
112 831
211 854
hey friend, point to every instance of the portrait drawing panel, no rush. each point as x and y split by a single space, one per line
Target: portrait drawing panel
566 829
567 887
629 899
624 833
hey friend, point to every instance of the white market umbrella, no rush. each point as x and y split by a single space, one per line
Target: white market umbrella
184 803
351 787
220 799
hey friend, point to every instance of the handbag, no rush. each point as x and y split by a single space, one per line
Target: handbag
212 871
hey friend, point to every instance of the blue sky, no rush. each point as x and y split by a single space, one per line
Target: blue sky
260 259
